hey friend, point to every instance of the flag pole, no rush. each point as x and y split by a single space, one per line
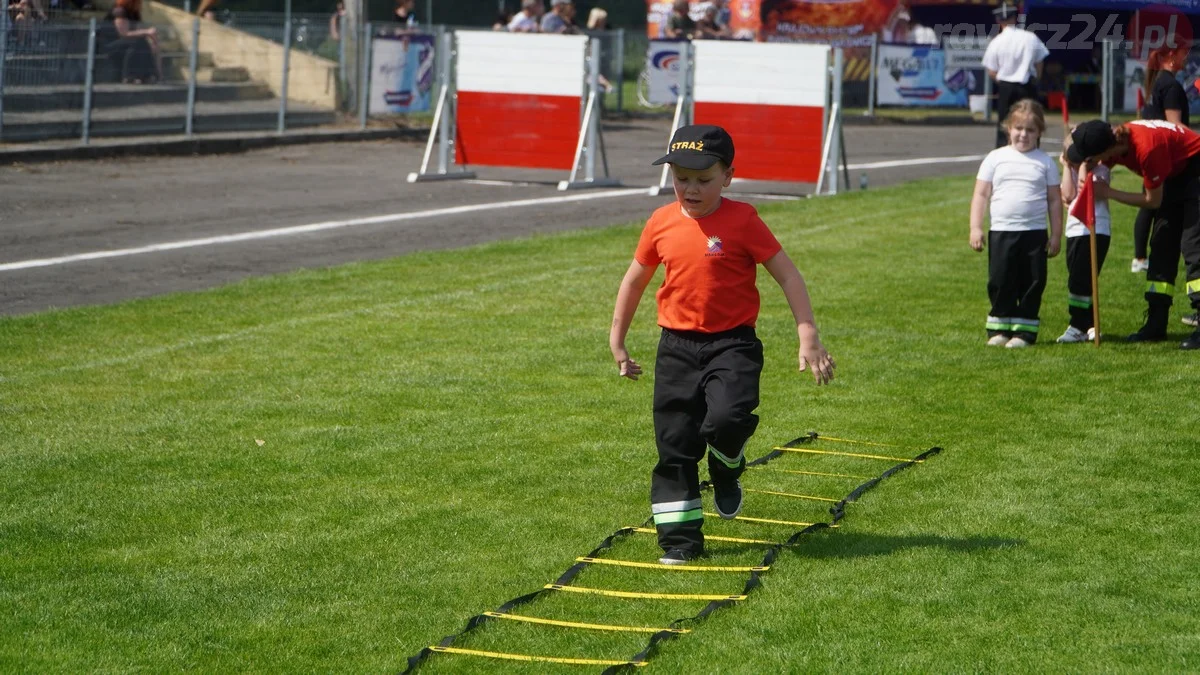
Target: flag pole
1095 277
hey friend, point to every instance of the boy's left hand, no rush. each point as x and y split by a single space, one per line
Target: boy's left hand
1053 246
1099 190
820 360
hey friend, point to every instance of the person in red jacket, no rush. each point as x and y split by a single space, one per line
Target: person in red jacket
709 358
1167 157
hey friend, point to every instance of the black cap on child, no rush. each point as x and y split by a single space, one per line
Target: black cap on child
698 146
1090 139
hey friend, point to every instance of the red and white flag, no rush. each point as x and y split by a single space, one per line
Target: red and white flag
1084 207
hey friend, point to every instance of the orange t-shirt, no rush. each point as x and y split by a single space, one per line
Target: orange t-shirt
711 265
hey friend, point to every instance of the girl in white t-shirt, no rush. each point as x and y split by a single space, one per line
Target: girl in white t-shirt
1018 185
1079 254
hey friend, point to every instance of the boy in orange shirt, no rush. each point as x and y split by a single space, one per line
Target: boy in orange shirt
709 358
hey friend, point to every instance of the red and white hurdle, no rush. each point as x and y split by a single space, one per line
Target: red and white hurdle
781 102
517 100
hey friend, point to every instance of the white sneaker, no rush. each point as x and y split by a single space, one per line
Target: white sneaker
1016 343
997 340
1139 265
1072 334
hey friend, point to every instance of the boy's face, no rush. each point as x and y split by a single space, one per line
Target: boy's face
699 190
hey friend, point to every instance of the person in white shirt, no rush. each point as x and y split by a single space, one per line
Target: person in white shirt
1079 254
1020 184
526 20
1014 60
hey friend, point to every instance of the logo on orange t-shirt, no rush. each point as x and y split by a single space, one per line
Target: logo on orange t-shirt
714 248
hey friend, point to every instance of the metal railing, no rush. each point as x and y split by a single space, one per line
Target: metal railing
75 79
252 71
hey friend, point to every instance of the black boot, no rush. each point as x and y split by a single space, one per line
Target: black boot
1155 328
1193 341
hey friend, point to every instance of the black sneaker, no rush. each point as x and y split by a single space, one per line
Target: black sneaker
1193 341
728 499
678 556
1192 319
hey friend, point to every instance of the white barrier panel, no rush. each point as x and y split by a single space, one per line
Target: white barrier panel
771 98
519 99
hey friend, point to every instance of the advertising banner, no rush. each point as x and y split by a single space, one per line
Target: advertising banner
401 74
842 23
663 70
917 76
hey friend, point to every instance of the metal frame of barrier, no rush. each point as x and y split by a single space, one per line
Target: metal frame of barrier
773 105
526 103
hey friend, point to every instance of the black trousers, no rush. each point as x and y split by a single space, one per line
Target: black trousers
1141 232
705 393
1079 277
1176 230
1016 280
1008 93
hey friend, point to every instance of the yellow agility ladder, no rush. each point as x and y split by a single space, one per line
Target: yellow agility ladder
809 444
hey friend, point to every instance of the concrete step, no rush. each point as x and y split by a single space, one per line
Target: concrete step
46 98
160 119
25 69
223 74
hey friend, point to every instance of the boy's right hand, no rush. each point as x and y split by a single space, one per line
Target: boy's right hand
626 365
977 240
629 368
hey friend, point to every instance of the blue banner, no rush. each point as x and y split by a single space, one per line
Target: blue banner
401 74
917 76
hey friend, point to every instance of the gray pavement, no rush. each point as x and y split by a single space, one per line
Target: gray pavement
141 208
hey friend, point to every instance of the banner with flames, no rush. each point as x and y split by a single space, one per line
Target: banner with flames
841 23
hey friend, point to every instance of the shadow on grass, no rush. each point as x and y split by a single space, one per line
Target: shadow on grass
858 545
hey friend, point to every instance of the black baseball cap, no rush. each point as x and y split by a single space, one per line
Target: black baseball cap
698 146
1090 139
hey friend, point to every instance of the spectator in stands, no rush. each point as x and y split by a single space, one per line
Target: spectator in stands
560 18
527 20
707 27
329 47
502 19
724 14
20 16
597 19
902 30
404 13
204 9
335 21
679 24
135 50
22 11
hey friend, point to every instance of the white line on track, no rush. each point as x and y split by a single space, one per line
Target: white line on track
916 162
416 215
315 227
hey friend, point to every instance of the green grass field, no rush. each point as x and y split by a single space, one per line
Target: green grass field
327 471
